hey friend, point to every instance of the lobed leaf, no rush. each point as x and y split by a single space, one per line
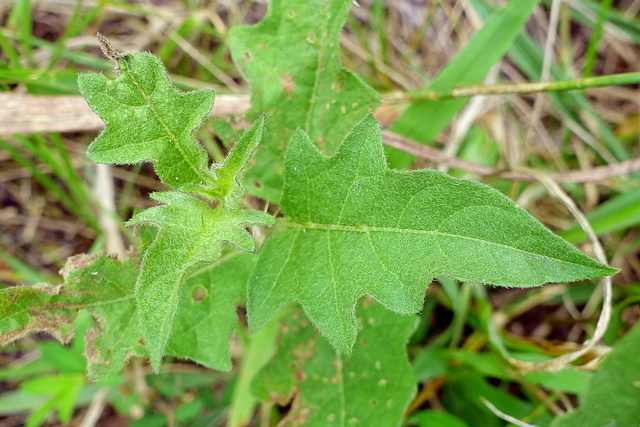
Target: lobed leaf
148 119
190 233
207 315
372 387
291 60
358 228
105 287
100 285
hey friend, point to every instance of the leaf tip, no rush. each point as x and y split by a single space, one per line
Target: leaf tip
346 350
156 347
156 363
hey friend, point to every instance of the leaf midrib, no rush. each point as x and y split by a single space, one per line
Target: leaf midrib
170 135
369 229
71 306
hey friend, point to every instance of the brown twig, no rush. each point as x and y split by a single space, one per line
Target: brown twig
37 113
578 176
65 113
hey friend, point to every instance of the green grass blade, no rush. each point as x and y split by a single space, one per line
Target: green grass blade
518 88
618 213
22 19
592 49
470 66
23 271
528 55
43 82
48 183
70 30
12 55
77 186
630 27
259 349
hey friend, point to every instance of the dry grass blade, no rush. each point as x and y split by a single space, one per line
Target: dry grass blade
562 362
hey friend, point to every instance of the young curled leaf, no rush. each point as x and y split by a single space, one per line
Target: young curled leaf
191 232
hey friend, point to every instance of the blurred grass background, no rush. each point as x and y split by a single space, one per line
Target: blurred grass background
50 207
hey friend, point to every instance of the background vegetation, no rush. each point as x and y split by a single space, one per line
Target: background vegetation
52 199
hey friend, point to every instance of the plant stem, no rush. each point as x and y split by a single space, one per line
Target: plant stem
259 349
516 88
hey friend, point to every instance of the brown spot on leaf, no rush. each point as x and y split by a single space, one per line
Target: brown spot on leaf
199 293
77 262
288 84
59 327
278 398
298 414
91 352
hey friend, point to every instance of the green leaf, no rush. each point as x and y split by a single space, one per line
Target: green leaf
207 314
358 228
431 418
147 119
291 60
227 187
613 393
190 233
64 390
102 286
105 287
372 387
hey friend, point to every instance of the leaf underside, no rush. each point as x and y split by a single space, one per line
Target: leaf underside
357 228
291 60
